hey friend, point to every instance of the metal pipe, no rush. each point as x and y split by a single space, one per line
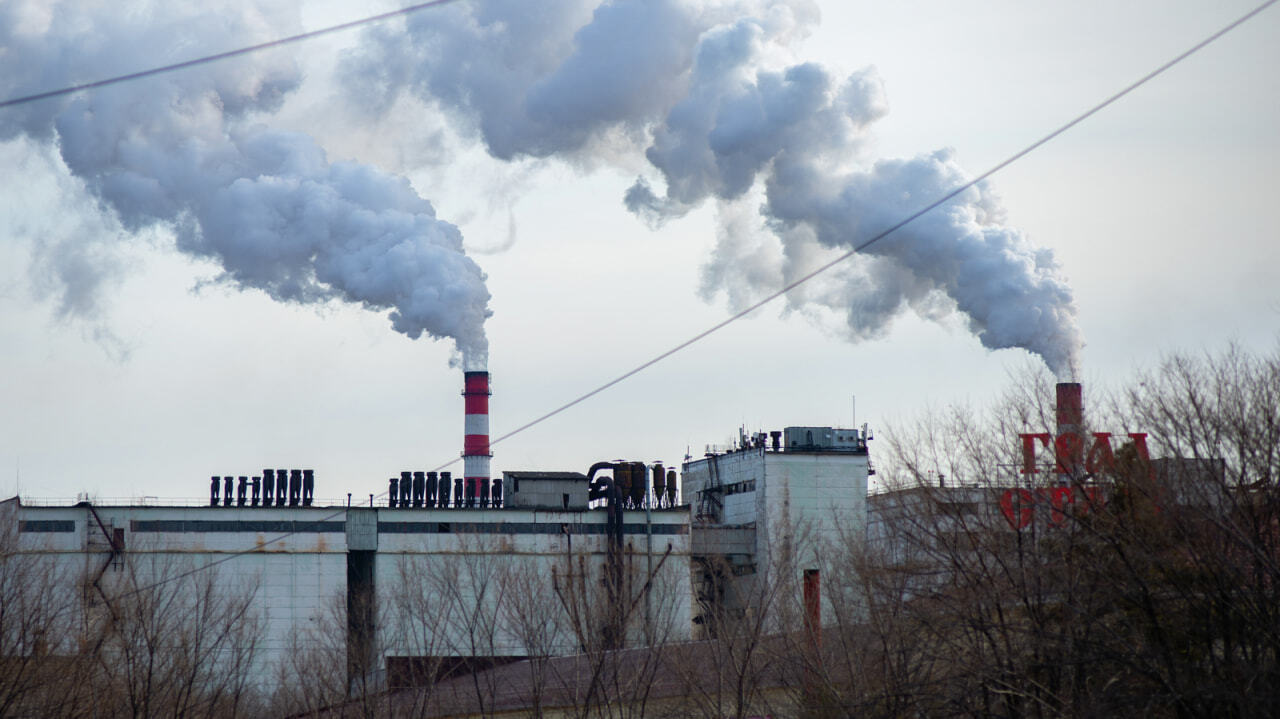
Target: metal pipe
308 486
282 486
268 487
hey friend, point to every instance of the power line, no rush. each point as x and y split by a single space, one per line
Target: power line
802 280
899 225
223 55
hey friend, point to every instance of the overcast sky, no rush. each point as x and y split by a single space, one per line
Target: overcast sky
143 350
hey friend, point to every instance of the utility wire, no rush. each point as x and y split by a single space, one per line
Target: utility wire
796 283
894 228
223 55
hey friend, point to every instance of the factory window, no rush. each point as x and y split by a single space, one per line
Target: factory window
515 485
565 500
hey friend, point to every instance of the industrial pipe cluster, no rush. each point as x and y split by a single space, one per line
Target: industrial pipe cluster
275 488
432 490
630 479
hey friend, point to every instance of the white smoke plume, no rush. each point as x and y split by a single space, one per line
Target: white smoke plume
724 111
185 151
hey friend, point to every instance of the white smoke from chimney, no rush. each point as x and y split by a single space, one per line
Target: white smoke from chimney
184 151
723 110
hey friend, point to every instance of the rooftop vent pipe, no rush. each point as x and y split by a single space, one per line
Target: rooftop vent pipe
308 486
443 489
282 486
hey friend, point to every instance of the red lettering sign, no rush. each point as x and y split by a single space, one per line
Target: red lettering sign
1068 452
1100 457
1069 455
1019 505
1029 451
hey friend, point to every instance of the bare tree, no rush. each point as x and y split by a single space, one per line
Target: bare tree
534 617
40 661
726 674
621 644
174 641
467 589
313 677
1146 585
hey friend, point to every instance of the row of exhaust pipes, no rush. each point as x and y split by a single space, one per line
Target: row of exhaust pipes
432 490
275 488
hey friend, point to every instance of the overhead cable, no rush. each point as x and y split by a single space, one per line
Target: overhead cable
802 280
310 35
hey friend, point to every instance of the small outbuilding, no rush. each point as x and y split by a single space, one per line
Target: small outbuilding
546 490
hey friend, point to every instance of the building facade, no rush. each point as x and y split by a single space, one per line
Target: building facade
769 510
409 586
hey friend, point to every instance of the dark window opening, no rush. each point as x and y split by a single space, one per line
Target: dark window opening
360 613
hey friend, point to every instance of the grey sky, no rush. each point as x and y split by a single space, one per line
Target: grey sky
1159 212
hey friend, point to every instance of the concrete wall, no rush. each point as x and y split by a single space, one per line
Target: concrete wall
495 573
296 583
806 509
545 493
815 500
447 582
735 469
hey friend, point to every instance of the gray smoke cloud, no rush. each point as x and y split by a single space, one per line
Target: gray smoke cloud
187 151
724 111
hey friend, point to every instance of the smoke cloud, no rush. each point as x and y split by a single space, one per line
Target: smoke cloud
724 111
186 151
714 97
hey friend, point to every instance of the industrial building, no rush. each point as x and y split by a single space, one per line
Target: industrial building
767 510
427 581
303 563
439 571
445 573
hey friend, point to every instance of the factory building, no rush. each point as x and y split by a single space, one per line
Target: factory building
445 574
442 572
766 513
431 578
416 584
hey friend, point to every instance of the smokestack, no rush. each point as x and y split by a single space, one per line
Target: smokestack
1069 439
812 631
1070 407
475 442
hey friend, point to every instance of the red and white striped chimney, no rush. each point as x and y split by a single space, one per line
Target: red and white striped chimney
475 442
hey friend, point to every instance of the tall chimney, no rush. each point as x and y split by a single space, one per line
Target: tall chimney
475 442
1069 434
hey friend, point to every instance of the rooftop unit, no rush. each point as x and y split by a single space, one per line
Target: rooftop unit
825 439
